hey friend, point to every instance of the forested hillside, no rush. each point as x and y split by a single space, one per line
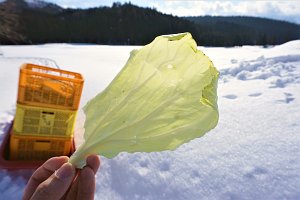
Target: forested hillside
224 31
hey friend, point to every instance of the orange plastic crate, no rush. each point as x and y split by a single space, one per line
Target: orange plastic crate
39 121
7 164
38 148
48 87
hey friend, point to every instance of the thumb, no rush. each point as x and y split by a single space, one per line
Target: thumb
56 185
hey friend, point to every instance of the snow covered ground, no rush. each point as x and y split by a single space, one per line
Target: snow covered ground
253 153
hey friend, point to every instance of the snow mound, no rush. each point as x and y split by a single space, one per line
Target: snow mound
279 71
295 44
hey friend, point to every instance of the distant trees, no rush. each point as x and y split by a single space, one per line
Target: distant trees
120 24
127 24
9 24
230 31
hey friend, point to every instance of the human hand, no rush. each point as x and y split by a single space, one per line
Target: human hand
58 179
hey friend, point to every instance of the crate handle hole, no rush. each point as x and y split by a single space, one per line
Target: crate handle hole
44 141
48 113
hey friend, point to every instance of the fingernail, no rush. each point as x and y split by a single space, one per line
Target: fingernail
65 171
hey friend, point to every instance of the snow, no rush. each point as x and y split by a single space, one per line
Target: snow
253 153
36 3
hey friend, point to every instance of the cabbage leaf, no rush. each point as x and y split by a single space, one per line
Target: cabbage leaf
164 96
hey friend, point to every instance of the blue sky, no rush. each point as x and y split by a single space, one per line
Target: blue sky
283 10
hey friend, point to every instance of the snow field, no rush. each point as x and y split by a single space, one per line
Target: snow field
253 153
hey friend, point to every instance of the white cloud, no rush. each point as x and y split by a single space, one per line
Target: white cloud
284 10
271 9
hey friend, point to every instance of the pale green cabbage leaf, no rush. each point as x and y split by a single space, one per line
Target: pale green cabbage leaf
165 95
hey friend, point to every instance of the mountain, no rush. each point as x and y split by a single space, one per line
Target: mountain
119 24
222 31
10 32
36 21
39 4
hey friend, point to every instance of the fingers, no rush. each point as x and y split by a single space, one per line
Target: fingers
86 184
56 185
93 162
42 173
85 181
86 178
45 184
72 194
